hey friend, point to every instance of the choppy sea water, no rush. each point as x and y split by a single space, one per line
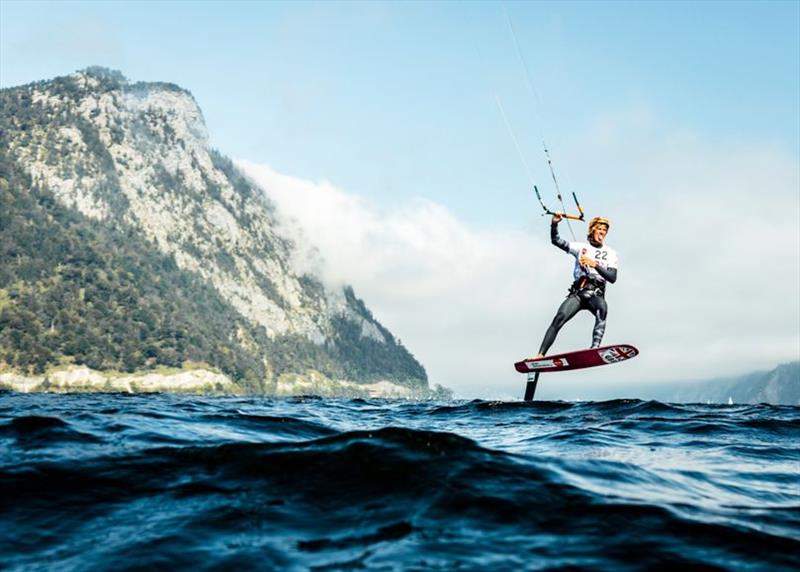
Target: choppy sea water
121 482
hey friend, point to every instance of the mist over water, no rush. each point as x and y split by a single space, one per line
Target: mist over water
93 482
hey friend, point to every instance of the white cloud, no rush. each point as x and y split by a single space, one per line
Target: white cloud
708 237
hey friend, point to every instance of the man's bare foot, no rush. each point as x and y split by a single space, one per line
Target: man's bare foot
537 356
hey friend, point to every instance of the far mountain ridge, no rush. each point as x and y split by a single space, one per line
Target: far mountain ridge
778 386
128 243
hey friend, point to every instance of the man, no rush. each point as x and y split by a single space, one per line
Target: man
595 266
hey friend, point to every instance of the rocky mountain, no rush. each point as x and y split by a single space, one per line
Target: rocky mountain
780 386
128 244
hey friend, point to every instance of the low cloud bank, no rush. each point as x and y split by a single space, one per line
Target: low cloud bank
708 239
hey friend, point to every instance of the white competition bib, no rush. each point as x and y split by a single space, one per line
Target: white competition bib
605 257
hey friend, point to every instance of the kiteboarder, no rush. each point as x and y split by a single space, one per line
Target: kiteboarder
595 266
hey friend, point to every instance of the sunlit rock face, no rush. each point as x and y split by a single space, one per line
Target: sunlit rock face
136 157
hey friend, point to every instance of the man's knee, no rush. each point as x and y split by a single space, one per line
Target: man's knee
560 319
600 308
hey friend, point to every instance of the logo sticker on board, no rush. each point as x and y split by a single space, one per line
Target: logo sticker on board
545 363
614 355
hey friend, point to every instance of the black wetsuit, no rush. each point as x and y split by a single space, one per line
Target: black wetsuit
585 293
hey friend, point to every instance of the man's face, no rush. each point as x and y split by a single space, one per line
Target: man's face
599 233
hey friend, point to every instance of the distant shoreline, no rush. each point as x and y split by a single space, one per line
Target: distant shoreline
199 380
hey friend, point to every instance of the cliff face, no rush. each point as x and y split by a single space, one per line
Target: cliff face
110 190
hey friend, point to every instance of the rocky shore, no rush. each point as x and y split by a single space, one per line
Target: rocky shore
81 379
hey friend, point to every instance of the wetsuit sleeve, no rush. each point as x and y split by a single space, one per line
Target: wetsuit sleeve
610 274
557 240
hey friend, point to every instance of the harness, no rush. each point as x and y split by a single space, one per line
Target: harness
585 287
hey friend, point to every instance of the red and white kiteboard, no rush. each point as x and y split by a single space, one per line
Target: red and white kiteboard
579 359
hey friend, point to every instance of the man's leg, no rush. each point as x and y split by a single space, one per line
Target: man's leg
599 308
565 313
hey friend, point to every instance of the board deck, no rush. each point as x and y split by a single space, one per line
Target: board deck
578 359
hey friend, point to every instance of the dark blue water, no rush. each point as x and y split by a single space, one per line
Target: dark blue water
115 482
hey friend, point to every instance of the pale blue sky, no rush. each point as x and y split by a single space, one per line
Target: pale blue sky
391 100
